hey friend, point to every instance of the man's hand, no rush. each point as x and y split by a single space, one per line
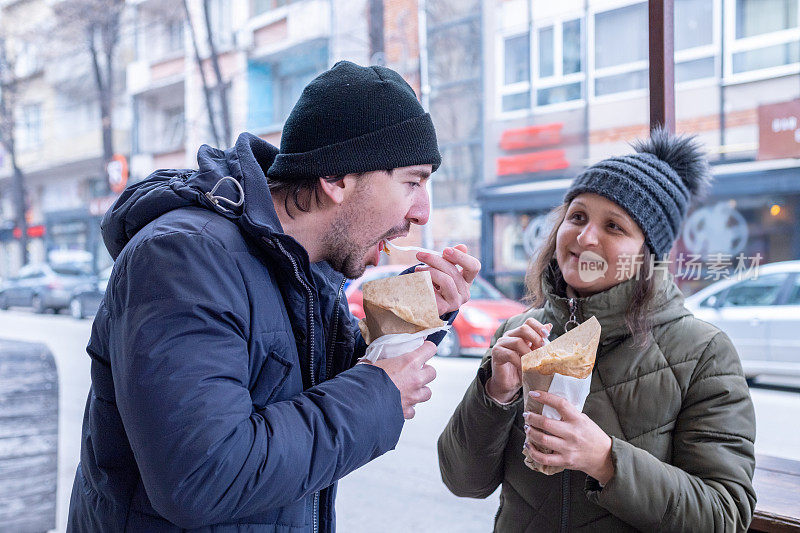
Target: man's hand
507 355
411 375
452 274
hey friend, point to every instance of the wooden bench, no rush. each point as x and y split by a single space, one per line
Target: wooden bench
777 484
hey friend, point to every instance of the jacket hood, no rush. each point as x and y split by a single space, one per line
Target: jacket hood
165 190
610 305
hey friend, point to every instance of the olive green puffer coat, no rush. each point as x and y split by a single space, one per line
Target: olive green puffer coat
678 411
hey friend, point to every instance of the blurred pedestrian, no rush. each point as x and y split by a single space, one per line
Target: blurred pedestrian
225 391
665 439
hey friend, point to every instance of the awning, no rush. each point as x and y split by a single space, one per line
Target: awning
781 176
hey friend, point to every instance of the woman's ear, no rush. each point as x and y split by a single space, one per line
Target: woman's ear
334 189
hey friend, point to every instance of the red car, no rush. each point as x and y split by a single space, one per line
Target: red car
475 324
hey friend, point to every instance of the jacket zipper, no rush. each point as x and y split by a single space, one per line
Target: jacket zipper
328 366
573 315
565 497
312 380
565 501
334 331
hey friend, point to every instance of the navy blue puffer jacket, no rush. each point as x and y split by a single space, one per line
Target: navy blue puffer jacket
224 396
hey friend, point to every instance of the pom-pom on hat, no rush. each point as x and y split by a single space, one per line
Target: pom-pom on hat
655 185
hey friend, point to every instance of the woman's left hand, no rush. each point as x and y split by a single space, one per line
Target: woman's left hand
577 442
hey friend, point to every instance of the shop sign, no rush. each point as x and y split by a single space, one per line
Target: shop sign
779 130
34 232
532 137
117 170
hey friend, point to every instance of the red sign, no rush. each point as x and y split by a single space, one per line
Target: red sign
532 136
779 130
533 162
117 170
34 232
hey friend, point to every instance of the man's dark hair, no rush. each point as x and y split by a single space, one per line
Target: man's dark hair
301 190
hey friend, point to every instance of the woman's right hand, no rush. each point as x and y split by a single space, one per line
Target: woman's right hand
507 355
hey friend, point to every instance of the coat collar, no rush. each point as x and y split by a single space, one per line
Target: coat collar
610 306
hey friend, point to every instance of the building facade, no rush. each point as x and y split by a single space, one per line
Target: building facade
567 85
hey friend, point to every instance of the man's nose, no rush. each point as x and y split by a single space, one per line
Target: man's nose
420 210
588 236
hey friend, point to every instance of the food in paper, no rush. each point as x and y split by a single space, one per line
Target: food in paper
399 304
571 355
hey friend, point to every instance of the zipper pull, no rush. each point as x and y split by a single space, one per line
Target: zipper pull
573 317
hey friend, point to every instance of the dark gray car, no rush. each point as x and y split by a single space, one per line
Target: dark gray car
43 287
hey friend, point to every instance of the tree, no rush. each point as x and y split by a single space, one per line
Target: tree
218 94
97 23
9 84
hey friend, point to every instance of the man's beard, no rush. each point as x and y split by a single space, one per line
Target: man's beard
343 253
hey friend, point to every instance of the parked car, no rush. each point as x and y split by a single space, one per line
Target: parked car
761 315
43 286
86 297
475 324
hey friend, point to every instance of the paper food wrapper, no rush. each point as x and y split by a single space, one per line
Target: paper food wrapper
398 343
404 304
564 368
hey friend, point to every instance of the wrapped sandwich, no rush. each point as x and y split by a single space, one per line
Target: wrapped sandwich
402 307
562 367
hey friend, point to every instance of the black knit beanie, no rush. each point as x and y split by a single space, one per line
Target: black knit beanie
655 185
353 119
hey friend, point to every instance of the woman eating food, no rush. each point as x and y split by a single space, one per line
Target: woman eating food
665 438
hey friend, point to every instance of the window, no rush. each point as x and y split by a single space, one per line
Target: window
29 126
173 36
174 131
275 85
516 86
695 31
765 35
794 292
262 6
620 57
559 76
219 14
760 291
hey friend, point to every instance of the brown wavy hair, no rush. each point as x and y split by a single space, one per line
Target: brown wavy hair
638 316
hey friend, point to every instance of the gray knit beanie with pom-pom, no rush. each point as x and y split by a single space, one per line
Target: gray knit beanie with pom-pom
655 185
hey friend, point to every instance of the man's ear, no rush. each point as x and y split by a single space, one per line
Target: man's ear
334 191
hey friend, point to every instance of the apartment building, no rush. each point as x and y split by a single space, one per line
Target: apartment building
57 136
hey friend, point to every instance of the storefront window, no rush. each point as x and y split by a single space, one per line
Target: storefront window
721 234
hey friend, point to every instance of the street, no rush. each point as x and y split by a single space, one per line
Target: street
400 491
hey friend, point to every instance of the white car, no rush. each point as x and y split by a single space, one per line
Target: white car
761 315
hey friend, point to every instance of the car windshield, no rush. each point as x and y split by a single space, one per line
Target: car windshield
483 290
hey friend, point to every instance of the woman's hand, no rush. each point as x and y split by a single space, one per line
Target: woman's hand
507 355
577 442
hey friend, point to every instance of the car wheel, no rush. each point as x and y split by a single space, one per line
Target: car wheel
449 347
3 302
76 308
38 304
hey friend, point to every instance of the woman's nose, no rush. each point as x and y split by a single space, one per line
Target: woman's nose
588 236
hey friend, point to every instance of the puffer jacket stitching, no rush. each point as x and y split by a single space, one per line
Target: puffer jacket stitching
654 429
636 378
593 520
